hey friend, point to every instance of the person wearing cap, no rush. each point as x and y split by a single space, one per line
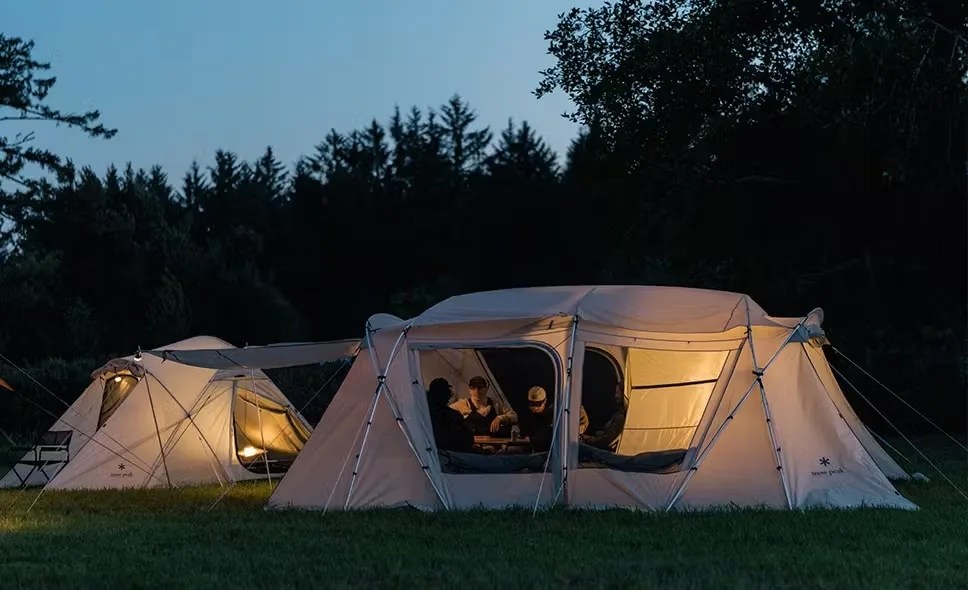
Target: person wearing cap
482 413
450 432
538 424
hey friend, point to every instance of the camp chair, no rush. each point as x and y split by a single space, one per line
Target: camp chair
53 448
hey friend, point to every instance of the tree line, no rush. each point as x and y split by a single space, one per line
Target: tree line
807 156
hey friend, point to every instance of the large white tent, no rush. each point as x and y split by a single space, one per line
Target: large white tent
150 421
720 405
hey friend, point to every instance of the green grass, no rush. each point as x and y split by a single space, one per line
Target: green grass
167 538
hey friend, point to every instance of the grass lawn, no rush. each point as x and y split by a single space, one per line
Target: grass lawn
169 539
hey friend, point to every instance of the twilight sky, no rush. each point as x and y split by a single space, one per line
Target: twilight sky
179 79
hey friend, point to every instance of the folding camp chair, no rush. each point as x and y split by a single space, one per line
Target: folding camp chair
53 448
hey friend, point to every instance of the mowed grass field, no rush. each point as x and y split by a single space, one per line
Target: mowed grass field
162 538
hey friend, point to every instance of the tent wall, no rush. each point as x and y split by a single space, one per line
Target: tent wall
389 474
132 434
824 462
818 363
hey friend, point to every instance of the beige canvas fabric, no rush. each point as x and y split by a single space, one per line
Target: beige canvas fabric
701 430
179 425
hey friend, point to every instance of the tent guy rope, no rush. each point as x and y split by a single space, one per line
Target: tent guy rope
913 446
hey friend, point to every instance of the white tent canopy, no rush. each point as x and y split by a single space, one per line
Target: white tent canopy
148 422
272 356
716 403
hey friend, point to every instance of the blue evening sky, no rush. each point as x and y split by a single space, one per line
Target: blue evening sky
180 78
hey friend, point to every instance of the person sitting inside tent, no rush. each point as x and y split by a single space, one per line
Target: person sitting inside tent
483 414
608 436
539 422
450 432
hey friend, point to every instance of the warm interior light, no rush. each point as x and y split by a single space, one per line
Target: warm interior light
251 451
117 379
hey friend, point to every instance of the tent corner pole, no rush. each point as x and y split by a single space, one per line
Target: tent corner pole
161 447
729 418
758 373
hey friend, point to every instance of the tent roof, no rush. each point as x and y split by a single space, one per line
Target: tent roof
197 343
645 308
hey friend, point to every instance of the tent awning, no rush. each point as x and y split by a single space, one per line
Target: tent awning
271 356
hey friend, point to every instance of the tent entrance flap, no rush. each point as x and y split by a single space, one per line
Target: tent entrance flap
268 435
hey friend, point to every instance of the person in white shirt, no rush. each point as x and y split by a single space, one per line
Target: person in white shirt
483 414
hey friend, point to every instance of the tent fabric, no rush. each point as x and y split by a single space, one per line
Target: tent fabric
643 308
271 356
755 416
175 426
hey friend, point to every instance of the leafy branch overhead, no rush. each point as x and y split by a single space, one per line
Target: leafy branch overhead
23 90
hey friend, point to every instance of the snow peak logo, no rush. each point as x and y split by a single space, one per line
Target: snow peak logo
824 462
122 471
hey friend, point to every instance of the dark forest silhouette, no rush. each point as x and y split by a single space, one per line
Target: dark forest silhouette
807 157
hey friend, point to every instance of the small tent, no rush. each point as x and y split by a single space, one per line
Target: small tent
149 421
695 399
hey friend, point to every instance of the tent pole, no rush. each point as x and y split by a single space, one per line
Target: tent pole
381 380
188 416
562 403
364 428
262 434
766 407
154 417
722 427
395 410
366 434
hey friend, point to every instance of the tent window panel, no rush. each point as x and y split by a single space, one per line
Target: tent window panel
667 407
662 367
116 389
664 397
468 435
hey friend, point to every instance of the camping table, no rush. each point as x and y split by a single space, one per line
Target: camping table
505 443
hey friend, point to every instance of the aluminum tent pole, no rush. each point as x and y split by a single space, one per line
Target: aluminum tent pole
381 384
562 402
722 427
766 407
